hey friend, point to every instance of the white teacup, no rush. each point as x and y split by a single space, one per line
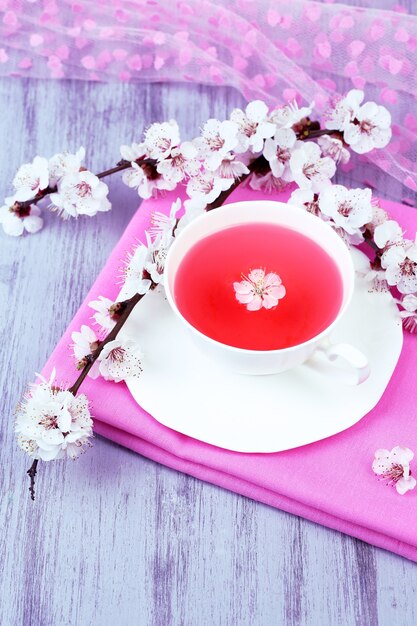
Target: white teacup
246 361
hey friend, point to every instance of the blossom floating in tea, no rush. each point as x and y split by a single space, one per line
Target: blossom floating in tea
259 290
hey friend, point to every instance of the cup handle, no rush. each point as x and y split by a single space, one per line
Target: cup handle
356 361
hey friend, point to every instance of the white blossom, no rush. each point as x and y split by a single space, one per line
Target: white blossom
133 152
193 209
344 110
400 263
52 423
309 169
370 129
230 167
136 178
120 360
181 162
290 114
31 178
165 224
217 139
307 199
333 148
259 290
278 152
105 312
266 182
81 193
64 163
350 209
206 187
253 126
135 277
160 139
394 467
379 216
15 220
375 278
409 314
158 251
85 342
387 234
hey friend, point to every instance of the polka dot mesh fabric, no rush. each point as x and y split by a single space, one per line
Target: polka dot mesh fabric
270 49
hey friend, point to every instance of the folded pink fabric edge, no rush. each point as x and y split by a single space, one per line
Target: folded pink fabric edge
253 491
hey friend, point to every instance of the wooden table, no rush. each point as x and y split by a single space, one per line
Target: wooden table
113 538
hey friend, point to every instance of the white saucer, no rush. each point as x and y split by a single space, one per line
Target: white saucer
185 390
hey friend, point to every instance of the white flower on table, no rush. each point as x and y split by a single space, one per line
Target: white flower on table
370 129
52 423
394 467
333 148
120 360
160 139
64 163
206 187
81 193
259 289
344 110
106 312
307 199
290 114
253 126
16 219
85 342
193 209
135 276
146 180
309 169
278 152
182 162
350 209
230 168
165 224
409 314
31 178
217 139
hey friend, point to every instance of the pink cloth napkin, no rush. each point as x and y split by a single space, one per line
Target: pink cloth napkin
329 482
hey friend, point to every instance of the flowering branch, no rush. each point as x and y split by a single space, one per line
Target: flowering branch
266 150
127 308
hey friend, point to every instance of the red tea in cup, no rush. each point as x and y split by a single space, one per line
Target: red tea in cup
205 295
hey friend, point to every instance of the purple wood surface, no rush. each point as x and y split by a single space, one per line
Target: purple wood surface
114 538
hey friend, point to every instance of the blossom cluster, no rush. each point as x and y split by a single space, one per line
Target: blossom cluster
52 423
72 189
144 270
209 164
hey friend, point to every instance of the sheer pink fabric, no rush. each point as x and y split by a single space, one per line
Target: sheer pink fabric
270 49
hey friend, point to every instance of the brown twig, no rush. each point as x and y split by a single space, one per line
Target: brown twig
32 473
124 165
